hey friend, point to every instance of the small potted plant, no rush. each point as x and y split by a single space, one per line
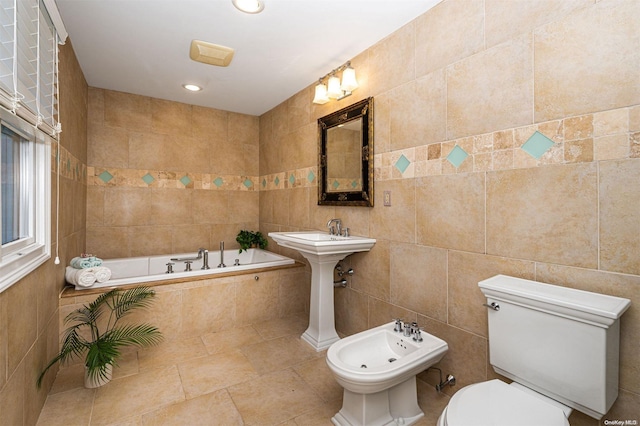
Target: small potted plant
106 337
248 239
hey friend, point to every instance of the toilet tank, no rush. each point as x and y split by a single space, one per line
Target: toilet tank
561 342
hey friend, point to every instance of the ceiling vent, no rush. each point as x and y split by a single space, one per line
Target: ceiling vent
209 53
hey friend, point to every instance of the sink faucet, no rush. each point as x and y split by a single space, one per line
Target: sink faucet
337 230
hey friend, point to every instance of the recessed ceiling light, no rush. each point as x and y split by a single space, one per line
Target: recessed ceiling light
192 87
249 6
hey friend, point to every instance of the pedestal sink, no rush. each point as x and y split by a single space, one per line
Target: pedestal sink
323 251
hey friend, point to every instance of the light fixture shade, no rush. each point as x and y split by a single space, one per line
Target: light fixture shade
249 6
333 87
321 94
349 82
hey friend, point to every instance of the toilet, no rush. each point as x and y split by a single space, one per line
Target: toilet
558 345
377 369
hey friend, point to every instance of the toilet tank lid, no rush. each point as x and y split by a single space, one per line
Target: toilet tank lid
512 288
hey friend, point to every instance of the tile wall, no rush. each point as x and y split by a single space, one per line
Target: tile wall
167 177
458 92
29 308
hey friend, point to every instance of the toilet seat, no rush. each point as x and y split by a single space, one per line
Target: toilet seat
495 403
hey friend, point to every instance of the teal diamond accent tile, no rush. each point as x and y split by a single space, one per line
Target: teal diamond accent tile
148 179
69 165
354 184
218 182
292 179
537 145
311 176
276 181
457 156
247 183
105 176
336 184
402 163
185 180
264 183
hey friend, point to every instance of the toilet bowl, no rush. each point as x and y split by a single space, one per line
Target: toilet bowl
377 369
497 403
560 347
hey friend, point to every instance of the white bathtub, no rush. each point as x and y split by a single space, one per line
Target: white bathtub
134 270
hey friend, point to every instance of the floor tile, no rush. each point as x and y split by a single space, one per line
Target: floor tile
320 416
171 352
230 339
274 398
278 354
215 408
56 408
214 372
318 375
293 325
137 394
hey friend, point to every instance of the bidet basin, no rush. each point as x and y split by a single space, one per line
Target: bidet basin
379 358
321 243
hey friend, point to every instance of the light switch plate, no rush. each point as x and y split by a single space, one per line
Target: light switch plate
386 198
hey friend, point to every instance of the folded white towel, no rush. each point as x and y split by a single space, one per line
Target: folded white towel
102 273
80 277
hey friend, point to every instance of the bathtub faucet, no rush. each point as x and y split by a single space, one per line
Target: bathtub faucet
205 254
222 265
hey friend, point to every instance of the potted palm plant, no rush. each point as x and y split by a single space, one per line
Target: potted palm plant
105 336
248 239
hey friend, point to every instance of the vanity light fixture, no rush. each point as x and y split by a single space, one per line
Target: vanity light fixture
192 87
249 6
334 88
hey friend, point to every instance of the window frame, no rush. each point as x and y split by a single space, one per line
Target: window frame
21 257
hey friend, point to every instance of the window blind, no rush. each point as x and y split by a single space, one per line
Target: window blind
29 33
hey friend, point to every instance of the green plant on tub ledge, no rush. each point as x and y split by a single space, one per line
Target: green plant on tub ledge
248 239
106 335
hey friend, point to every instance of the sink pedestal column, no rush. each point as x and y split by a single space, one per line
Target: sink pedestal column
322 324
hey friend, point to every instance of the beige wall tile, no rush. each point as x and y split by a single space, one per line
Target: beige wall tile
545 214
132 112
107 146
397 222
465 299
418 278
611 147
214 206
22 322
587 37
484 95
126 206
351 311
381 312
611 122
170 206
189 238
95 199
634 118
209 124
209 308
3 339
170 118
258 299
108 242
392 60
450 211
418 111
619 194
149 240
372 269
506 19
436 47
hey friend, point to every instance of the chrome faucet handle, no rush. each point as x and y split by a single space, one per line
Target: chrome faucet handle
398 326
417 335
407 329
170 268
345 232
187 264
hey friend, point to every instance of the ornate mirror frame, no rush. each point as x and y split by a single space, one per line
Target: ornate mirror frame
362 195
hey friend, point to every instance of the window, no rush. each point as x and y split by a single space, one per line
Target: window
25 198
30 31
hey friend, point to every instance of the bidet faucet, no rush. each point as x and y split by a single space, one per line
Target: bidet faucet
337 230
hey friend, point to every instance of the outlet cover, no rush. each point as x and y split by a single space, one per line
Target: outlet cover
386 198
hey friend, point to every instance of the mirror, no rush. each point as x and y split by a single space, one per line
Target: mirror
345 159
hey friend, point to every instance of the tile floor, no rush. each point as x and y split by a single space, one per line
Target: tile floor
256 375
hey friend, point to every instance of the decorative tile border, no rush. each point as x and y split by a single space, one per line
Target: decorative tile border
70 166
300 178
108 176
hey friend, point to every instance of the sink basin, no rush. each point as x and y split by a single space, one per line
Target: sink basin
321 243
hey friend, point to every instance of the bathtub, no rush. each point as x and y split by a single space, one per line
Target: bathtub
134 270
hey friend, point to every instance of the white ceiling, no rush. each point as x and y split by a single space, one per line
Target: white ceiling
142 46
